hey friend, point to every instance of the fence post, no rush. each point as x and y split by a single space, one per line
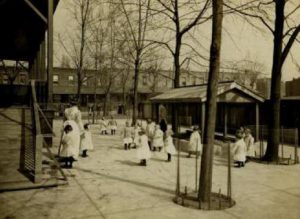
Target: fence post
282 140
178 169
296 146
229 173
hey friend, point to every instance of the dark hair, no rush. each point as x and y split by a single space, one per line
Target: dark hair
86 126
68 128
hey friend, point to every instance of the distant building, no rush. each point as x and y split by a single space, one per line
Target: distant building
263 86
293 87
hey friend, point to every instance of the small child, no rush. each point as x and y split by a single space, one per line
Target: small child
67 151
112 125
86 142
136 137
169 145
103 126
249 141
195 142
239 150
143 151
158 139
127 136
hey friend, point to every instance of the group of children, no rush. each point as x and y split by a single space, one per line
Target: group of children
76 137
243 147
106 125
148 139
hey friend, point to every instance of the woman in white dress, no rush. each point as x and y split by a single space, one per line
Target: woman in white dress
169 145
143 151
158 139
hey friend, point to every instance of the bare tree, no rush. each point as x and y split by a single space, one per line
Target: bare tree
285 33
137 33
211 103
81 11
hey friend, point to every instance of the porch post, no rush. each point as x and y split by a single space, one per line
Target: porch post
50 52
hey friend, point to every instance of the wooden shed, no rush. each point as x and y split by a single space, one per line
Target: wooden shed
237 106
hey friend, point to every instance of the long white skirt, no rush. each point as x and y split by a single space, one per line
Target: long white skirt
143 152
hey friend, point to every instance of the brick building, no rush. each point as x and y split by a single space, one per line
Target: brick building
293 87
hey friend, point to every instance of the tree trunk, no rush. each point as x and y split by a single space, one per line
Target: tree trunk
135 90
211 103
79 88
175 123
274 121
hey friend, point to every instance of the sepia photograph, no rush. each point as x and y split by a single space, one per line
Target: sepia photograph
149 109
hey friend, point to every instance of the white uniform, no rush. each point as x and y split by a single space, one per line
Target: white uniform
136 137
75 138
143 151
86 142
249 141
158 138
239 150
169 145
150 131
103 125
127 134
73 113
67 149
195 142
112 124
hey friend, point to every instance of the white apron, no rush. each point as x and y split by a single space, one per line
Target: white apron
143 151
86 141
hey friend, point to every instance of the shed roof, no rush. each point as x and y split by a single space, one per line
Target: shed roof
197 93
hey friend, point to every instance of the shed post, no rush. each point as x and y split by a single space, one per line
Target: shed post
225 120
202 119
257 121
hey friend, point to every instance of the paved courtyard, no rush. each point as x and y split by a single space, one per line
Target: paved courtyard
110 184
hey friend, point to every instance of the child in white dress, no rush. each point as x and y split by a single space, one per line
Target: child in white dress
143 151
68 143
86 142
239 150
158 139
169 145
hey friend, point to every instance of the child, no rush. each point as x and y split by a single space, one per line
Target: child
103 126
127 136
249 141
195 142
68 143
143 151
150 132
239 150
169 145
112 125
158 139
86 142
136 137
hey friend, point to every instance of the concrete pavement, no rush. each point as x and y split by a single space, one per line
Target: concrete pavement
110 184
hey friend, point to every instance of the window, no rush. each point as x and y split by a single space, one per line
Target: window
22 78
183 82
145 80
84 81
99 82
71 78
5 79
55 79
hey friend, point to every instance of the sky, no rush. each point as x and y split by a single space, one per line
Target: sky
240 41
